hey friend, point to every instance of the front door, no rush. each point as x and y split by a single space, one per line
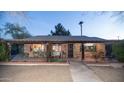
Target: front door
70 50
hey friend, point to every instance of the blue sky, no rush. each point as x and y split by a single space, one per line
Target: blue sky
95 25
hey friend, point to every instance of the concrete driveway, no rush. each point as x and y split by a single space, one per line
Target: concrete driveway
109 73
35 73
82 73
76 71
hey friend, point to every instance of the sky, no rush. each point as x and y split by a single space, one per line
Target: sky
42 22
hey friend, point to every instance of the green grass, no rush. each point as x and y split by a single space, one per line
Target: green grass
56 60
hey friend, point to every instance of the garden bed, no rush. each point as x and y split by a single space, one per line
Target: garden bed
58 60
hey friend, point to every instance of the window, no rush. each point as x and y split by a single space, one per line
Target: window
38 47
56 48
90 47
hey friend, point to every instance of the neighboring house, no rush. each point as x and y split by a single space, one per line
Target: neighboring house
73 47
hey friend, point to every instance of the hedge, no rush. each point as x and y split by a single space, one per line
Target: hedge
4 52
118 51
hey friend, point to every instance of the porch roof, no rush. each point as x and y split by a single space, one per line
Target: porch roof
58 39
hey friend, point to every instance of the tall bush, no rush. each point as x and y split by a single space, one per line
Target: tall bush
118 51
4 52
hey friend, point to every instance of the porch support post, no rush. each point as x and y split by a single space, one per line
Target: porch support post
82 45
67 53
9 51
49 48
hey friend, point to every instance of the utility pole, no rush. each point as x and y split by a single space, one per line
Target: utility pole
80 23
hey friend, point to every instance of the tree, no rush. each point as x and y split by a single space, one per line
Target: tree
16 31
60 31
21 14
1 31
119 15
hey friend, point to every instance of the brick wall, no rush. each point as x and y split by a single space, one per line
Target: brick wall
64 48
100 47
27 49
76 51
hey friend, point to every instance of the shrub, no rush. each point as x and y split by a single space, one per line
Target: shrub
3 52
118 51
56 60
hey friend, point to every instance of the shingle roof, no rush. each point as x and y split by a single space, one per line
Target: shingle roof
62 39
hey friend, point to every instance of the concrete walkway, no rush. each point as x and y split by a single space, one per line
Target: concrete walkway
81 73
114 65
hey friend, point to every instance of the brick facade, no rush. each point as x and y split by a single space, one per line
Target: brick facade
76 50
64 48
100 47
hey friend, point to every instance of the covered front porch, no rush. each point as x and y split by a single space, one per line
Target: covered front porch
58 48
58 52
39 52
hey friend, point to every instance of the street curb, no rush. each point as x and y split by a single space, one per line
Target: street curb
31 64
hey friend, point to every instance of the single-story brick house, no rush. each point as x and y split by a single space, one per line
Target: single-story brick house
65 47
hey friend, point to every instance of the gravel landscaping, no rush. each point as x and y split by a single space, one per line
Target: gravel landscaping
35 73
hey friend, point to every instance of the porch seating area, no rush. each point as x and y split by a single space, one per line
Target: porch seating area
54 56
